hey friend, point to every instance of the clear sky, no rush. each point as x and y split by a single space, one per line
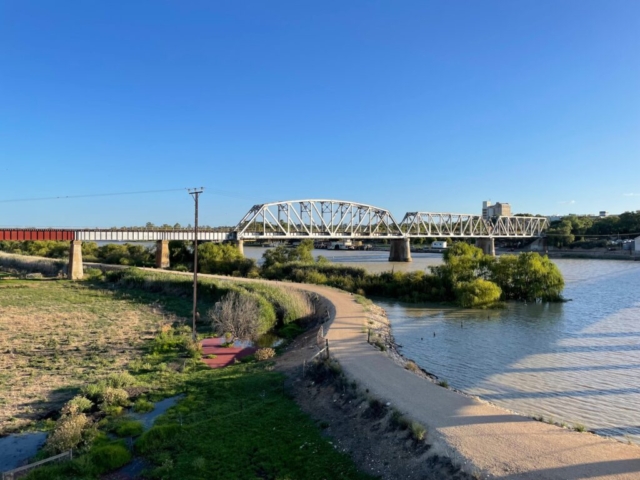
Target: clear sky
406 105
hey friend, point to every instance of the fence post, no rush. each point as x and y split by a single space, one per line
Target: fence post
327 347
304 367
369 335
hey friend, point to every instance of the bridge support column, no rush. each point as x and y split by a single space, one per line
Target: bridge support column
400 250
487 245
240 246
74 269
162 254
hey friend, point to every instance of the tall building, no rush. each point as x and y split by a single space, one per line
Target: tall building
498 210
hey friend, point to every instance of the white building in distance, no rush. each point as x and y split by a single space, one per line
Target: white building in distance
498 210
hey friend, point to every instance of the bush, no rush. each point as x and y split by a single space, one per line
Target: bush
120 380
143 405
237 314
265 354
109 457
114 397
76 405
477 293
158 438
129 428
68 433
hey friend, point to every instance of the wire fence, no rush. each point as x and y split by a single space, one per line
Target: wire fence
22 471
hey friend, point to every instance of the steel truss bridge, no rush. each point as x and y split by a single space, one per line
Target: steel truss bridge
334 219
315 219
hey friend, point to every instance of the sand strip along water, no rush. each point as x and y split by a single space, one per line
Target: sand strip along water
481 438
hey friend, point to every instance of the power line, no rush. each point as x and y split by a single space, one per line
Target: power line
115 194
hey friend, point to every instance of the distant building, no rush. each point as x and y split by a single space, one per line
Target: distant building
497 210
636 244
603 213
554 218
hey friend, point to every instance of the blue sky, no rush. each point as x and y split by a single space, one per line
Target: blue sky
412 105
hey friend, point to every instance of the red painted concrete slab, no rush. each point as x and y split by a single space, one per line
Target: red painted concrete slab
224 355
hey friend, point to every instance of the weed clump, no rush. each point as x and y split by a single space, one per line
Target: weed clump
399 421
376 409
418 432
412 367
109 457
265 354
158 438
143 405
76 405
129 428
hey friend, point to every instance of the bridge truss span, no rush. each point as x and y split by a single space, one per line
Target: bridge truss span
317 219
460 225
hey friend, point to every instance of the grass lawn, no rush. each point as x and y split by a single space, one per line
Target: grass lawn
56 336
238 422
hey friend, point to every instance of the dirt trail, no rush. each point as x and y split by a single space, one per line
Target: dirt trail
481 438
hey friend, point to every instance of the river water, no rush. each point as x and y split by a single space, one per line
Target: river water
576 362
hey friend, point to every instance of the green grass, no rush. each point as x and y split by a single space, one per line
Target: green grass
57 336
239 421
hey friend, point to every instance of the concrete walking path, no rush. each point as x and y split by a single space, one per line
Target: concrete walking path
481 438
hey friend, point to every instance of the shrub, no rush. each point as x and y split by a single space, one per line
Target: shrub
237 314
120 380
477 293
443 383
68 433
109 457
129 428
114 397
158 438
418 432
76 405
265 354
143 405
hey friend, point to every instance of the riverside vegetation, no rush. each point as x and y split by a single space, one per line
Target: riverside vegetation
467 278
117 341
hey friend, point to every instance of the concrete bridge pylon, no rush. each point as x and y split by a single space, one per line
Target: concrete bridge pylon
162 254
74 269
400 250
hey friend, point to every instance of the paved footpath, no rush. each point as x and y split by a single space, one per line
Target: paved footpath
480 437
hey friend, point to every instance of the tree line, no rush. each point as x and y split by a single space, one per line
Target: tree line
591 232
467 277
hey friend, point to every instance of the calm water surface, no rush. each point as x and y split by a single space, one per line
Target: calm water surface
577 362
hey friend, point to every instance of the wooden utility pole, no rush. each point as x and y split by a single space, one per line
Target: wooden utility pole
195 193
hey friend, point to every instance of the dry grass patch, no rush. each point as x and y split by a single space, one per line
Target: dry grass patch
57 336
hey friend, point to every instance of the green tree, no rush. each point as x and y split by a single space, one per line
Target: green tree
559 233
224 259
283 254
528 276
477 293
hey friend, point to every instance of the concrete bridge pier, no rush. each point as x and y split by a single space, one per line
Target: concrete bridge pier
162 254
400 250
240 246
74 269
487 245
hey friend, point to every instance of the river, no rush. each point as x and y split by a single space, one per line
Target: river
576 362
